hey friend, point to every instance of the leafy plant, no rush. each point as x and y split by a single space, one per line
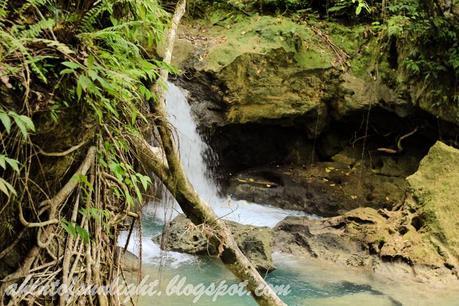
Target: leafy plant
82 70
343 6
24 123
361 5
76 231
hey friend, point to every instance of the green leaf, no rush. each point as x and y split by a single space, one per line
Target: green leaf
82 85
67 71
3 187
24 123
7 188
82 233
136 188
71 65
129 200
69 227
93 75
6 121
145 180
3 161
13 164
79 91
117 170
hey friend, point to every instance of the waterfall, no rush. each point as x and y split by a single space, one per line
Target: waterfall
191 146
192 150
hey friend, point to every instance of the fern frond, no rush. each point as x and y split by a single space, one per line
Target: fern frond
3 11
54 44
36 4
88 20
36 29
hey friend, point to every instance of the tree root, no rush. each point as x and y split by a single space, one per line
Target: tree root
61 154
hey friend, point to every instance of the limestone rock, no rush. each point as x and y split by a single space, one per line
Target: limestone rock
436 188
423 233
181 235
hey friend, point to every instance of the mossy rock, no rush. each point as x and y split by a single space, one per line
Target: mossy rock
436 187
271 86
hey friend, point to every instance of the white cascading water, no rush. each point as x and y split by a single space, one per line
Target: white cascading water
192 150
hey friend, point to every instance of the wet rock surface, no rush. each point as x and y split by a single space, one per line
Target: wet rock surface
181 235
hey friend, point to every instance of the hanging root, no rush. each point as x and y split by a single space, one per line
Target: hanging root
399 144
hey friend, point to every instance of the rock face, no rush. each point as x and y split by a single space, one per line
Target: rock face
256 69
260 69
181 235
324 188
422 233
261 87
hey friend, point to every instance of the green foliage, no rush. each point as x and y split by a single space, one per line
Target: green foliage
6 187
92 59
5 160
123 173
101 216
25 125
343 6
432 39
76 231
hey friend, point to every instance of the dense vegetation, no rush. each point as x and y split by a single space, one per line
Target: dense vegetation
75 78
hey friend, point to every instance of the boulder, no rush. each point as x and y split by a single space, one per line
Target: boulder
181 235
129 261
260 69
275 85
436 188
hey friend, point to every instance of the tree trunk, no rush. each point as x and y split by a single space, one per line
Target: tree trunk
174 178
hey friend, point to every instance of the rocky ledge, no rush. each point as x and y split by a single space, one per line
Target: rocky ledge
422 233
324 188
258 68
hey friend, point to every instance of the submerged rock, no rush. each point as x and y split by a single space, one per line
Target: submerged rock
181 235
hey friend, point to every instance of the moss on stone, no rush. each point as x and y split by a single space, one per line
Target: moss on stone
436 187
239 34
